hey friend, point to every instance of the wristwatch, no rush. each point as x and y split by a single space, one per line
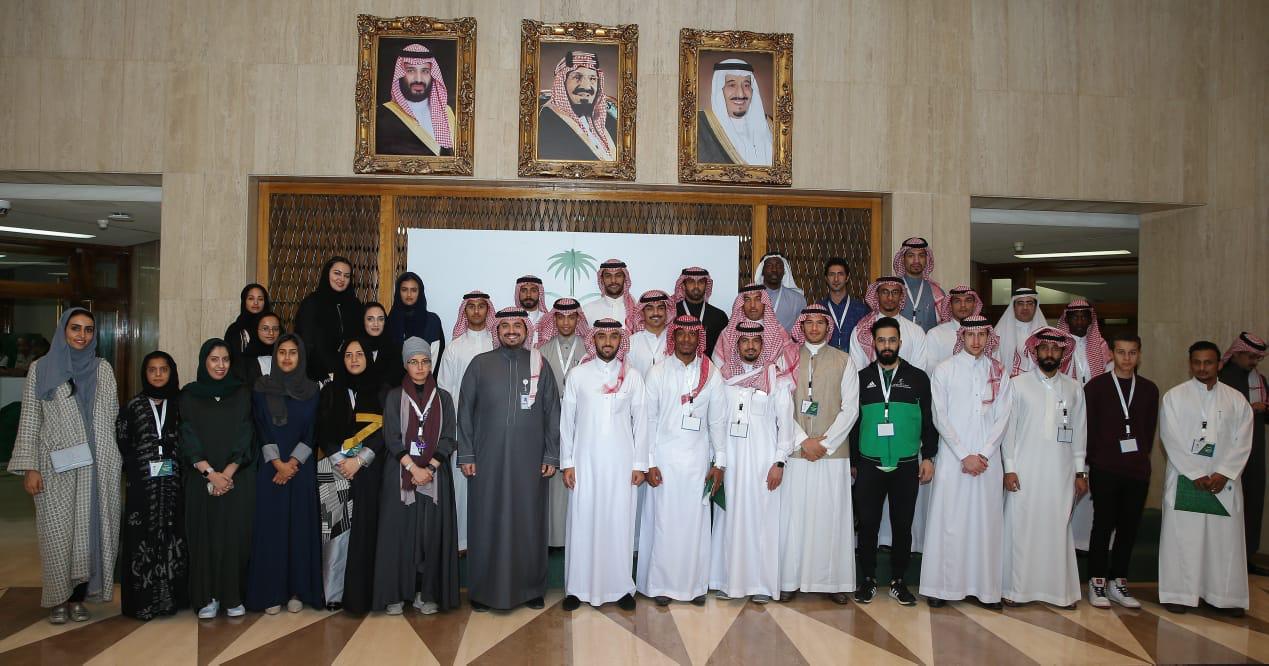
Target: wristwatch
207 472
780 465
1081 475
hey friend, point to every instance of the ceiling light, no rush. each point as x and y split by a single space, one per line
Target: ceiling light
1072 283
45 232
1057 255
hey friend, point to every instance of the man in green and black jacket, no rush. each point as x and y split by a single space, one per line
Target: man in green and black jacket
892 447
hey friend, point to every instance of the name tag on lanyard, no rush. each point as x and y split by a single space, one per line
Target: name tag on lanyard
524 395
886 428
740 427
160 468
1065 434
1203 446
692 423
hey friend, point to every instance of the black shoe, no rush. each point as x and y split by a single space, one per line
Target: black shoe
626 603
867 589
571 603
664 601
334 606
899 592
934 602
1232 612
840 598
479 607
536 603
699 601
995 605
1257 570
1176 608
788 596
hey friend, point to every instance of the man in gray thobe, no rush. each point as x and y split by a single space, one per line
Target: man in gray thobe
914 261
560 338
509 446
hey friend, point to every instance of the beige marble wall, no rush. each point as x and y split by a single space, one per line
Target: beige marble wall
928 101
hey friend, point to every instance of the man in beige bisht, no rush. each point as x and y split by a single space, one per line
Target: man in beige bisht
817 540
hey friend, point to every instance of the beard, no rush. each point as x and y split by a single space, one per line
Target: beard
529 303
582 109
887 356
409 94
1049 364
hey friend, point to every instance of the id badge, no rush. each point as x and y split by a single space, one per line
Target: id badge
1202 447
1128 445
740 430
692 423
810 407
524 402
161 468
416 449
1065 435
885 430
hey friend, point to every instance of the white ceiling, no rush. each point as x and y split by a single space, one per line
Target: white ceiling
994 232
74 204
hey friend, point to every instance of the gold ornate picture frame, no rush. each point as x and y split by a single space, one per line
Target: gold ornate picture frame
415 115
721 128
576 137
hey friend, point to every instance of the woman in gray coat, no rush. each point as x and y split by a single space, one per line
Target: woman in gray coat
66 450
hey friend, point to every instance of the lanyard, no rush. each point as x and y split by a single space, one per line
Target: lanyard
160 417
916 300
1066 414
775 307
1207 397
564 367
352 399
886 388
688 398
422 414
840 321
1132 390
810 379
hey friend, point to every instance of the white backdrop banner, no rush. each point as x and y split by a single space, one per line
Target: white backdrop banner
453 262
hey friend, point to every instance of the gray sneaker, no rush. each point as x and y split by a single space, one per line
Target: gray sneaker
1118 592
395 608
1097 593
761 599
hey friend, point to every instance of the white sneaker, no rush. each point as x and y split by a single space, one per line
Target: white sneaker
209 611
273 610
1097 593
428 608
719 594
1118 593
395 608
236 611
294 606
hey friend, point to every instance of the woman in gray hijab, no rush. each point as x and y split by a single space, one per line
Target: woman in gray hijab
66 450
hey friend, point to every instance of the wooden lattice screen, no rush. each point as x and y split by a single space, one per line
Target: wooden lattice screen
300 225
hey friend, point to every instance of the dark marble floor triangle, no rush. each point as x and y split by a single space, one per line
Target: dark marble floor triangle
441 632
546 639
1173 644
851 620
1044 616
75 646
216 635
320 642
654 624
755 638
19 609
957 639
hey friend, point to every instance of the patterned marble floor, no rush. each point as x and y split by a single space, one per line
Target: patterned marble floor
808 630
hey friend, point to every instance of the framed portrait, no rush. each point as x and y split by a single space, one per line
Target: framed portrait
416 95
736 107
577 100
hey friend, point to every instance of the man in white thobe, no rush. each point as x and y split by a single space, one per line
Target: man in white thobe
615 301
647 341
960 303
817 523
1205 427
886 298
562 339
971 396
1022 317
759 402
471 337
528 296
603 455
687 416
787 299
1090 359
1043 456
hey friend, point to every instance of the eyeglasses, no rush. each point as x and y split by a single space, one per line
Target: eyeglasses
419 363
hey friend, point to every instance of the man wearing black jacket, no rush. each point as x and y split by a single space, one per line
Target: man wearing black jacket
892 447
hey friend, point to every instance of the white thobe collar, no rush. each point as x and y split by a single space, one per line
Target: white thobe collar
814 348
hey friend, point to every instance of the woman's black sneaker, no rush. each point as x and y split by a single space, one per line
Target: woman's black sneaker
571 603
899 592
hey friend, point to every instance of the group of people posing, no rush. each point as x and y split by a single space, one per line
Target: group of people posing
670 447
